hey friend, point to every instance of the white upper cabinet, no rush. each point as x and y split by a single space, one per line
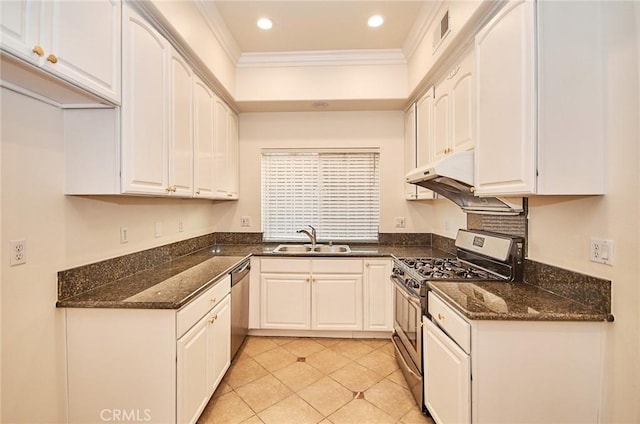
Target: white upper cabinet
225 152
181 124
540 100
78 41
454 110
145 114
172 135
204 132
424 138
410 192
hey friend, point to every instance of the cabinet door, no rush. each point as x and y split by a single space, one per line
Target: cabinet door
84 37
220 165
19 28
505 153
463 105
378 295
447 377
336 302
218 343
410 150
204 134
181 127
144 108
285 301
441 120
424 137
192 363
232 156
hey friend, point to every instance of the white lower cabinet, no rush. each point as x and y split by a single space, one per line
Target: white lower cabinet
325 294
203 358
496 371
447 380
152 365
377 295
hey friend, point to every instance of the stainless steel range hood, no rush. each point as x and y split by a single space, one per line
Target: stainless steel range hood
452 177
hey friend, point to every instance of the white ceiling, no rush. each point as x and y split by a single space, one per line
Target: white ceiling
312 25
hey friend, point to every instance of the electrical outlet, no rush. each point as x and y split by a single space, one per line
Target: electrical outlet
158 229
400 222
245 221
124 235
180 225
601 251
18 250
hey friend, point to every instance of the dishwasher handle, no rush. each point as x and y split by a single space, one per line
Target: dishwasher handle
240 272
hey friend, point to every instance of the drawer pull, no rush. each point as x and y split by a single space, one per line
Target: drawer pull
441 317
52 58
214 300
213 319
38 50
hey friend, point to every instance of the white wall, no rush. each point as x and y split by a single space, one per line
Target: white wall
324 129
61 232
315 82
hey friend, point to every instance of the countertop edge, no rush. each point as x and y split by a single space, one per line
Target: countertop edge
542 316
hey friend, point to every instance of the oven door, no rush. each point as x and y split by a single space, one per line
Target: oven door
407 321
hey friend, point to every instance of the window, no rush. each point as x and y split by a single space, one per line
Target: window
337 192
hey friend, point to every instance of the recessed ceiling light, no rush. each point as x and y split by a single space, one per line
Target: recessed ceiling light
265 23
375 21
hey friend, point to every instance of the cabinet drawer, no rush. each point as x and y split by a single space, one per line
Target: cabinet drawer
451 322
196 309
287 265
337 266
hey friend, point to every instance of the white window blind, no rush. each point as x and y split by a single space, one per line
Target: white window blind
336 192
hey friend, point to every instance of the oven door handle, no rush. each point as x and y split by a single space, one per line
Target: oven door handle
411 297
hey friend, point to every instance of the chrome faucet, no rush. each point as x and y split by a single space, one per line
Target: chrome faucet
311 235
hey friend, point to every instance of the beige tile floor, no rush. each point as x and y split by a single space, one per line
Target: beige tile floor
280 380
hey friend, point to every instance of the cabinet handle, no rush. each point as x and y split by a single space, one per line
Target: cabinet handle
173 189
38 50
213 319
198 193
52 58
441 317
367 264
308 280
213 300
472 189
229 194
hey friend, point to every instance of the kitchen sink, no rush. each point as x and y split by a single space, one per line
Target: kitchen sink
308 249
332 249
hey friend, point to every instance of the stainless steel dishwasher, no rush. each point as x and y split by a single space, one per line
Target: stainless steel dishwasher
239 305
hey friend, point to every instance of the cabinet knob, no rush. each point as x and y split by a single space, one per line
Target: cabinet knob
367 264
441 317
38 50
198 193
213 300
229 194
472 189
213 319
52 58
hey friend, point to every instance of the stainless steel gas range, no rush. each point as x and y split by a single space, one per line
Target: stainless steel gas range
480 256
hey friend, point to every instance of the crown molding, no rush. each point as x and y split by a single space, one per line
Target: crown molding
218 28
322 58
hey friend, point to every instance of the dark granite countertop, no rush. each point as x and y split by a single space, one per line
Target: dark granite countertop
176 282
173 284
513 301
168 286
